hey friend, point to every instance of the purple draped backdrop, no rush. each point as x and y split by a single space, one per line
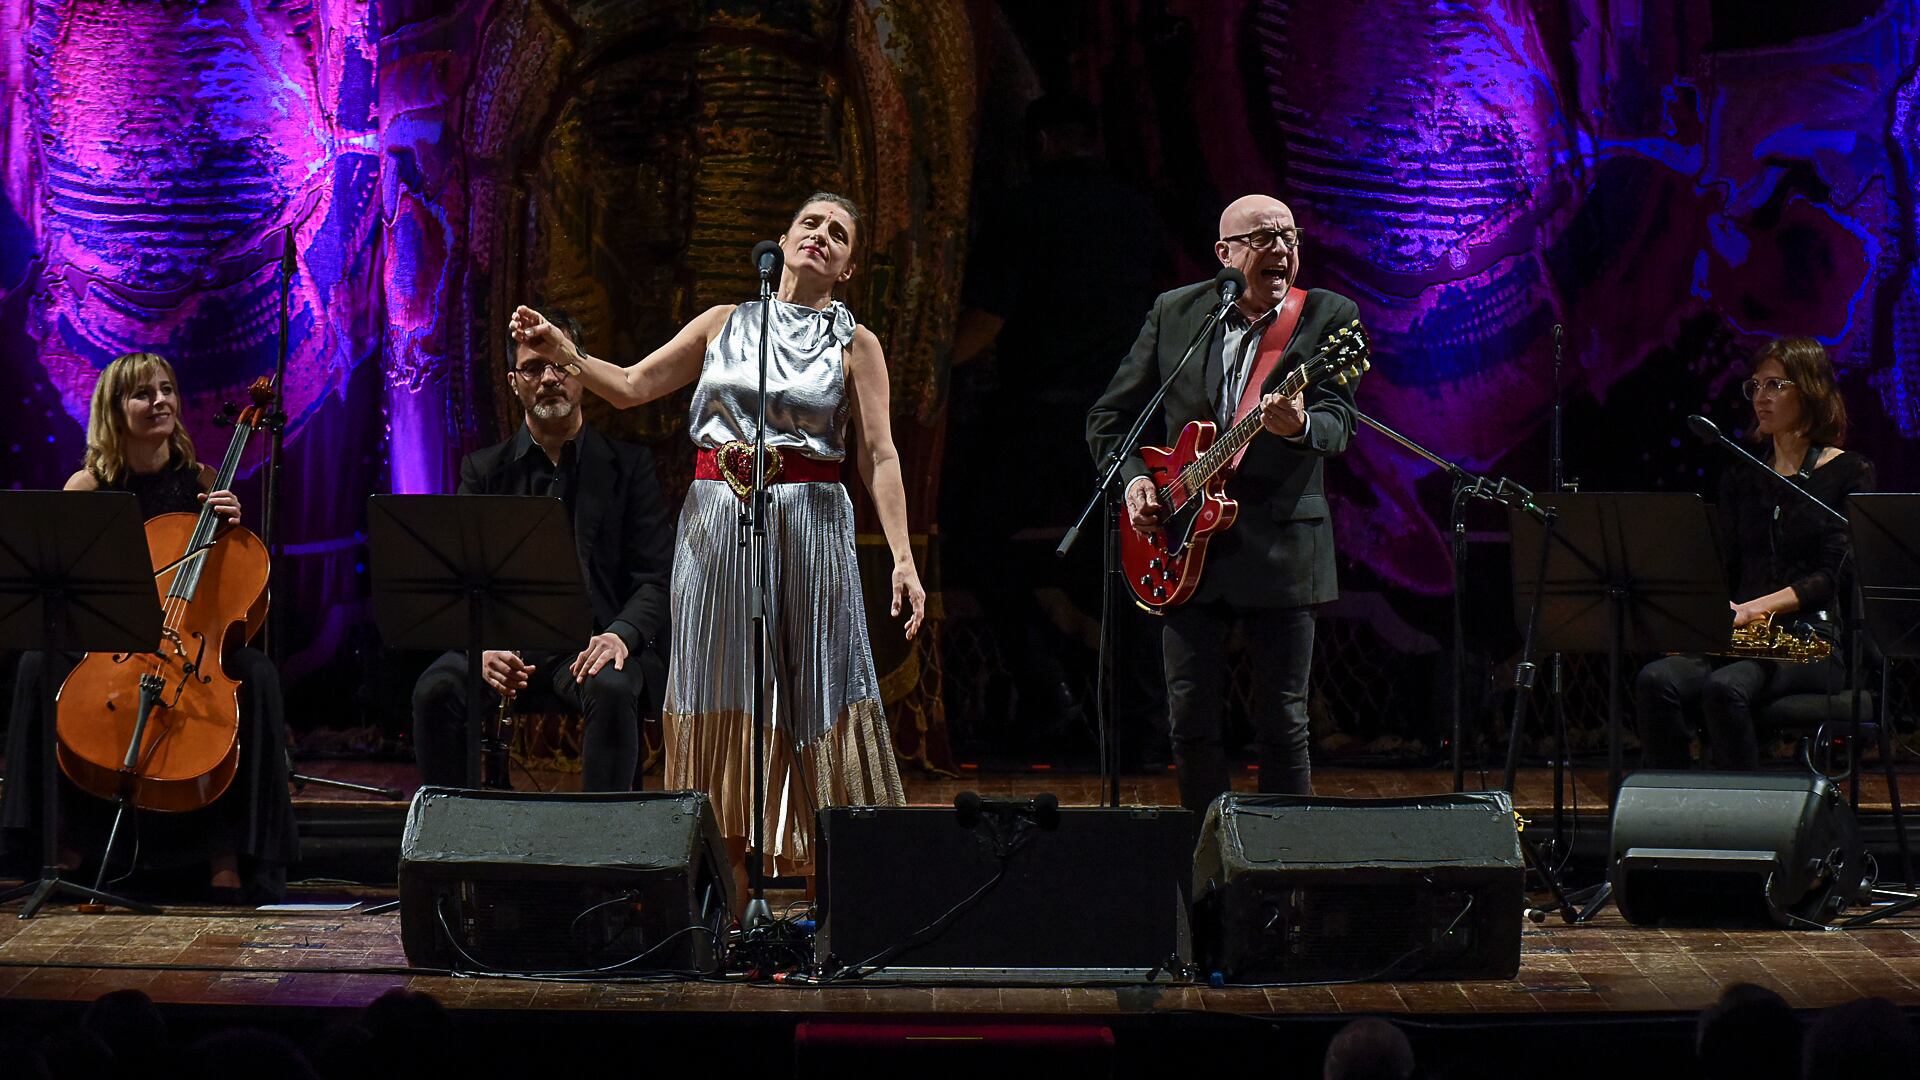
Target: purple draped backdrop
1472 172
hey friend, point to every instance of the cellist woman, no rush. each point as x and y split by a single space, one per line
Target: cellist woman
245 839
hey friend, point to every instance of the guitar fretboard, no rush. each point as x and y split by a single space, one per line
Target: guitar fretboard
1201 470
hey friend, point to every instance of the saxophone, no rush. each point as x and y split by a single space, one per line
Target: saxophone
1780 642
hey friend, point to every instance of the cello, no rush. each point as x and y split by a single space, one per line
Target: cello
161 730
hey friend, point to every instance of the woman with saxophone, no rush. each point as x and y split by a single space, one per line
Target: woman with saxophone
1786 560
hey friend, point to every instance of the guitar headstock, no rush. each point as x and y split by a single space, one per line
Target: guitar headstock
1342 357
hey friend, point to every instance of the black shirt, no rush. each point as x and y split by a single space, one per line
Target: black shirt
174 490
532 472
1774 540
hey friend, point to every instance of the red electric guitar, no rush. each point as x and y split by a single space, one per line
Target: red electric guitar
1190 478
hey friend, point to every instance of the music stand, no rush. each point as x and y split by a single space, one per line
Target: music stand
75 576
1886 552
475 572
1626 572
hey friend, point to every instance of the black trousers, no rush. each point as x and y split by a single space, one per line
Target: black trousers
1280 646
609 700
1670 691
252 820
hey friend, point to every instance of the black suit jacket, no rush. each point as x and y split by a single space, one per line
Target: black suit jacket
621 531
1279 551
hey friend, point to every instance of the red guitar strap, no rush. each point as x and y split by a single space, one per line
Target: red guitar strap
1273 345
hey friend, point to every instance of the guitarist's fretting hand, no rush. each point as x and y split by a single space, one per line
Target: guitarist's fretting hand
1143 507
1284 416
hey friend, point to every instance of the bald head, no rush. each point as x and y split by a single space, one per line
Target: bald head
1248 230
1249 212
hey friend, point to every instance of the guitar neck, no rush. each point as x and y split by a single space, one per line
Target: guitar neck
1197 475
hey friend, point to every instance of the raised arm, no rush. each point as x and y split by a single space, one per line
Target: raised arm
879 465
663 371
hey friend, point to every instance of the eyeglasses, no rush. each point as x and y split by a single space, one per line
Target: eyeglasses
1773 387
1263 239
532 370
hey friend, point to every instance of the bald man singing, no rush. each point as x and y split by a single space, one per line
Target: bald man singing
1269 569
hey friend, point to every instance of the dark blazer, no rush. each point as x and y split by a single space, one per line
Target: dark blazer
1279 551
621 531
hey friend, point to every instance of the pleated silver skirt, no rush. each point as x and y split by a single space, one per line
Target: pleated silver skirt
828 741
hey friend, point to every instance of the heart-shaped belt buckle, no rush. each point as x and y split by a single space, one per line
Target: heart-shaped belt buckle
736 466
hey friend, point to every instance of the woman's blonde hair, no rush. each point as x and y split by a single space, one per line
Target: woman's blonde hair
107 417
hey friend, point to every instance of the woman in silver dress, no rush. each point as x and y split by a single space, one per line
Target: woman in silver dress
829 743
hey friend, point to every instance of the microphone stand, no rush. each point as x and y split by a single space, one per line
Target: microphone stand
1103 497
1466 487
1562 844
754 524
276 425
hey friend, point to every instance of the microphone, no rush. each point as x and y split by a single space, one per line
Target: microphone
1709 432
767 258
1704 429
1231 284
1043 809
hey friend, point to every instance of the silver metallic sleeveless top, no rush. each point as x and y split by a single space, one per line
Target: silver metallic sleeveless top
807 401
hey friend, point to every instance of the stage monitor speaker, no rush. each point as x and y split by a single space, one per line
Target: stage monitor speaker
1733 849
1303 889
563 882
1102 894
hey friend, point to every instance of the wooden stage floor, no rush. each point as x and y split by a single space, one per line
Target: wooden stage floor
211 956
1603 979
1586 787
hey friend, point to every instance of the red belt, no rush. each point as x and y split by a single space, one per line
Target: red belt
733 463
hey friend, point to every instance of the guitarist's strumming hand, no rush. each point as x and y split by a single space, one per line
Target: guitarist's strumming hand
1143 507
1284 416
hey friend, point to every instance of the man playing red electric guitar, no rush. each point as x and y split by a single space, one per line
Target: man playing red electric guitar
1275 562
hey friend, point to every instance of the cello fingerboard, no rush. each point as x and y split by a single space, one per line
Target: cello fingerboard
187 579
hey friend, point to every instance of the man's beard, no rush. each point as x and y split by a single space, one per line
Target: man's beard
552 409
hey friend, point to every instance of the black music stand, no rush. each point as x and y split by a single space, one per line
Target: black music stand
1625 573
75 576
1886 550
475 572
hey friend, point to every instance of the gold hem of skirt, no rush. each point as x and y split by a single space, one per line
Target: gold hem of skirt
851 764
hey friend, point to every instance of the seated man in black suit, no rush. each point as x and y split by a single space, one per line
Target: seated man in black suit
624 538
1275 562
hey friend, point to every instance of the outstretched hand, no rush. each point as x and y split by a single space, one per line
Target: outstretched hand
530 328
908 591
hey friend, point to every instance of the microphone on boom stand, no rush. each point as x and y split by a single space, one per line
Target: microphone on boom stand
1709 432
1231 284
767 260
